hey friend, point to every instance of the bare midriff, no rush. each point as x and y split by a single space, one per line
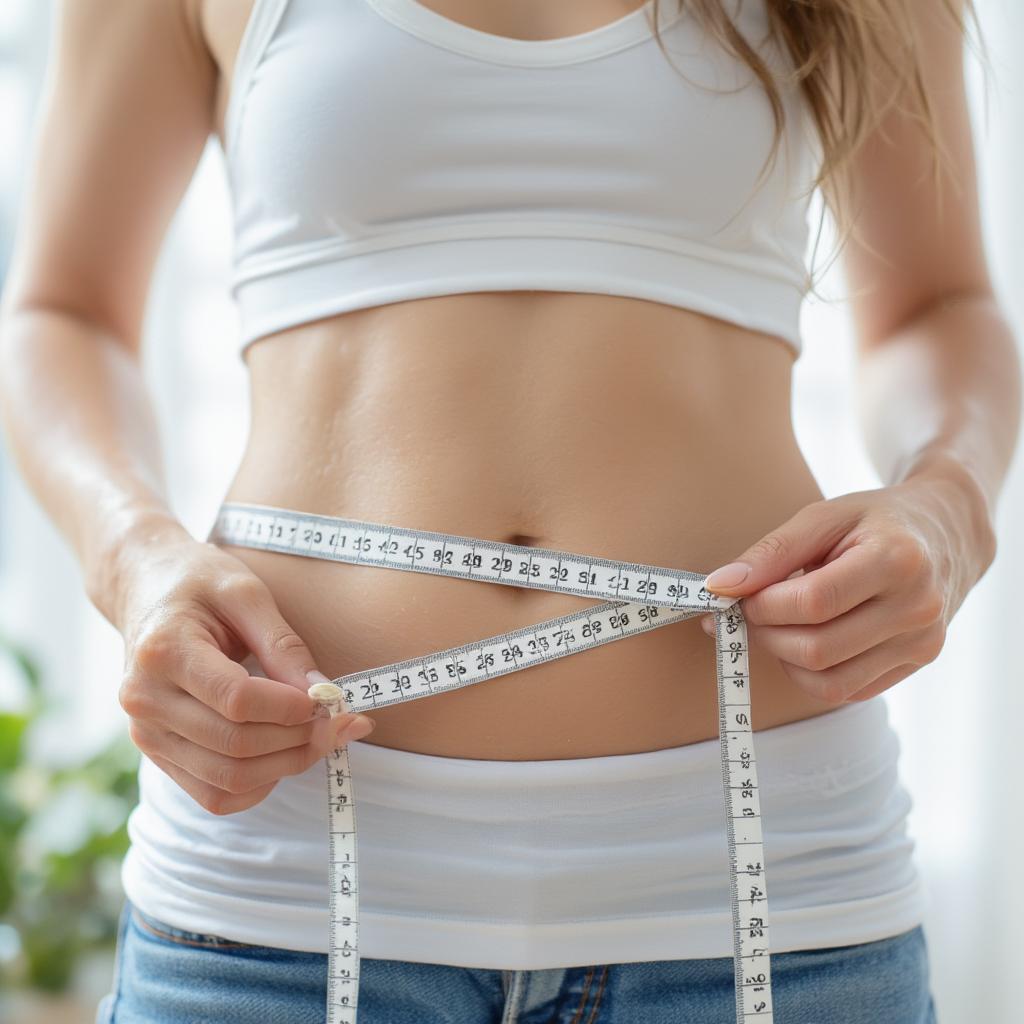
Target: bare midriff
598 424
593 423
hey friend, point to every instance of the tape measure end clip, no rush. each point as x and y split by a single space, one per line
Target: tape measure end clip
325 693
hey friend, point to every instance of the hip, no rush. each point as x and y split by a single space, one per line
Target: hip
531 864
167 975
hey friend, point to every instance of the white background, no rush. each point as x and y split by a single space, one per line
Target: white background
958 718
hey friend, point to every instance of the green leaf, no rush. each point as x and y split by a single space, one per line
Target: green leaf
12 734
61 902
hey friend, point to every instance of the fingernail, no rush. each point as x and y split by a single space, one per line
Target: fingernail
731 575
342 724
315 676
707 623
358 729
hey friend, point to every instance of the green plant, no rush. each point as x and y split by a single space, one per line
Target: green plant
62 837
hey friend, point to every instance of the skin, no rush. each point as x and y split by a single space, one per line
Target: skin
845 598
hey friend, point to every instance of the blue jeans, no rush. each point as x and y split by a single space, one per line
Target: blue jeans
164 975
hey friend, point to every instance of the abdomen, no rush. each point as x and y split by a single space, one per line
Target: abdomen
598 424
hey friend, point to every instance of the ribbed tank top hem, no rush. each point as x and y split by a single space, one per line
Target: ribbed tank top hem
276 297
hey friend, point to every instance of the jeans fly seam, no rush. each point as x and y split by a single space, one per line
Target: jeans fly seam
597 997
586 992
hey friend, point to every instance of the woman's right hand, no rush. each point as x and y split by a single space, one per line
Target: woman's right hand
189 613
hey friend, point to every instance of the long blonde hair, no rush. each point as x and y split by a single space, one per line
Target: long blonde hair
835 47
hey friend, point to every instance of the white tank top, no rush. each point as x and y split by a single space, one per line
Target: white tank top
378 151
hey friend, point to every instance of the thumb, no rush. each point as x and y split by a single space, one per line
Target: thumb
282 653
800 541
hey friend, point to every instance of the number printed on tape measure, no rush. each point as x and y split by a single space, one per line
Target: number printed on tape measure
358 542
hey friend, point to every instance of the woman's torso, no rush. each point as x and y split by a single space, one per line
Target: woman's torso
595 423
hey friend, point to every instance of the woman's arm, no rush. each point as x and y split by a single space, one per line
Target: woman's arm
939 376
125 114
855 593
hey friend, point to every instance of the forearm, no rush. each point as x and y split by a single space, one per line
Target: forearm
82 432
940 399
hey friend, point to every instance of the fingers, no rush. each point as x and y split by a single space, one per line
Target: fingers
840 682
224 735
803 539
202 725
818 647
243 774
821 594
216 801
883 682
224 784
202 670
858 621
881 639
246 603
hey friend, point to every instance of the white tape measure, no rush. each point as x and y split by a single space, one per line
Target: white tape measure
638 598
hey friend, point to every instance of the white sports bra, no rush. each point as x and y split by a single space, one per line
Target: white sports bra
378 151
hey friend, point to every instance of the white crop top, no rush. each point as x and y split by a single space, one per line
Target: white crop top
378 151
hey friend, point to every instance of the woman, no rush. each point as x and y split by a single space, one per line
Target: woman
527 273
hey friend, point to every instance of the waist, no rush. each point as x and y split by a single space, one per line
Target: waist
359 617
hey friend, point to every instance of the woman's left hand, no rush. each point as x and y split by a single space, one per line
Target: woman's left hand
883 573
